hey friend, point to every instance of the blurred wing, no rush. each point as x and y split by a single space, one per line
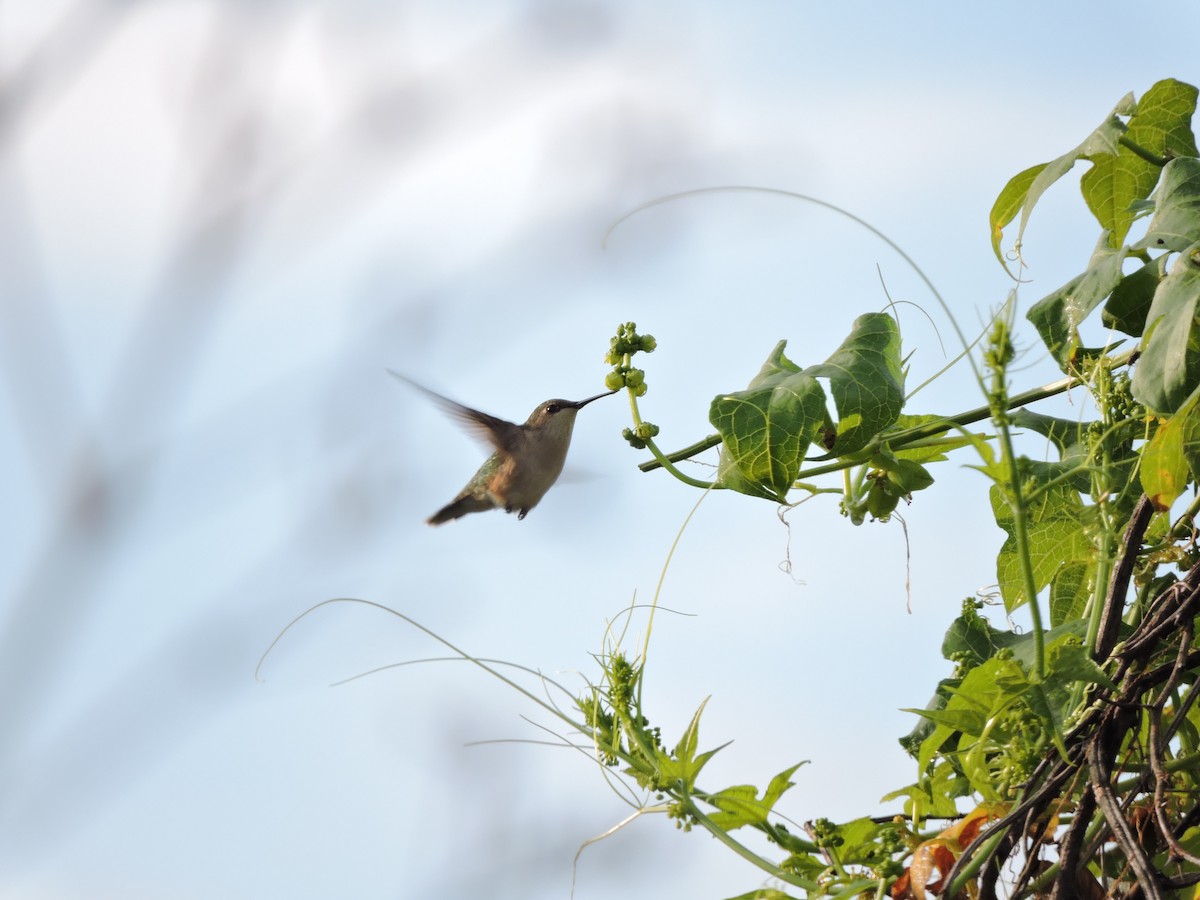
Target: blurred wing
500 434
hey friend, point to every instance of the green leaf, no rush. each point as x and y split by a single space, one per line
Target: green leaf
908 476
966 711
1058 315
683 765
938 447
1069 592
1176 222
1130 300
1008 204
866 379
1069 662
1169 368
964 719
763 894
1161 124
1164 470
1023 191
1065 434
971 640
1191 436
767 428
933 796
911 742
740 805
1055 538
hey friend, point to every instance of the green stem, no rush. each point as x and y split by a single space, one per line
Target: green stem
666 464
976 862
1021 538
1148 155
658 454
1095 609
1185 523
743 851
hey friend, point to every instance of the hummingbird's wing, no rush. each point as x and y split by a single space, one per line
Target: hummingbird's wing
499 433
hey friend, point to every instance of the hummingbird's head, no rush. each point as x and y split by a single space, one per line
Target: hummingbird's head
559 415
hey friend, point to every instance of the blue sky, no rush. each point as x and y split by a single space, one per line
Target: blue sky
221 224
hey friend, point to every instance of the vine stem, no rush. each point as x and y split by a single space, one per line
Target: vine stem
997 357
658 454
741 849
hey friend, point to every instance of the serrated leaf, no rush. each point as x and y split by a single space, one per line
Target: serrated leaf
767 428
740 805
1101 141
866 379
683 764
1176 222
933 796
966 720
1169 368
1056 537
1057 316
1161 124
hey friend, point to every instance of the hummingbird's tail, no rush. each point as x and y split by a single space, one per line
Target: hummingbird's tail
461 505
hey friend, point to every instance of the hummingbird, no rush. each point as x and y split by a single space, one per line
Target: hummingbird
527 460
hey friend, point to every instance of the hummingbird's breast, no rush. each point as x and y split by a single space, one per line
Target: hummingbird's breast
524 476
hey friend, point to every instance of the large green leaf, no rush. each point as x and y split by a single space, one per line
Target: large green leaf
1176 221
1129 304
866 378
1169 369
1161 124
1024 190
767 428
1054 523
1057 316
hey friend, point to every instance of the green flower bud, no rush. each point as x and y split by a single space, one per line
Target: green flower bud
614 380
634 441
635 378
648 343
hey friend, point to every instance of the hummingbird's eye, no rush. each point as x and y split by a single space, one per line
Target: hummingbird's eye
552 408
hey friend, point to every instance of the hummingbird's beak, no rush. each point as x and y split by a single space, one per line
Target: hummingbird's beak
582 403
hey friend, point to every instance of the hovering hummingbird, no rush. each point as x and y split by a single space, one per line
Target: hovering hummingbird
527 461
